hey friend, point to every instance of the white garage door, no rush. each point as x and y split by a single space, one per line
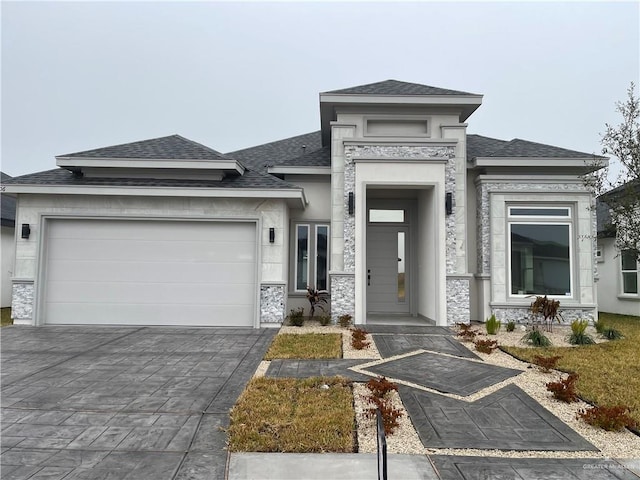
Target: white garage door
126 272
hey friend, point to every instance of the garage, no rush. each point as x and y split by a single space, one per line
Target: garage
149 272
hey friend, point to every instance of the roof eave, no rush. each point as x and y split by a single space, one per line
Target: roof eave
590 164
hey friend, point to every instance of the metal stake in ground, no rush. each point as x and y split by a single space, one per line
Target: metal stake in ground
382 447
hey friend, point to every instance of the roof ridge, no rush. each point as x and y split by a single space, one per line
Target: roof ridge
272 142
193 142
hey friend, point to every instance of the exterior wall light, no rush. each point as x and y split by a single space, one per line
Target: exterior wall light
448 203
26 230
352 203
272 235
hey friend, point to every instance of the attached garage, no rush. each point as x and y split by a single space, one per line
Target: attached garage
149 272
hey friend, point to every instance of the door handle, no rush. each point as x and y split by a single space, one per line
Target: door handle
368 278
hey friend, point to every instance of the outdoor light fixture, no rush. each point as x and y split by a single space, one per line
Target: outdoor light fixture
351 203
272 235
448 203
26 230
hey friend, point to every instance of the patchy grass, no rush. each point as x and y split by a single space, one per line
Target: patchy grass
306 345
609 372
6 317
292 415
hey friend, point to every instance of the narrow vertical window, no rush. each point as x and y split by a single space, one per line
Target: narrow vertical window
302 257
322 233
402 295
629 272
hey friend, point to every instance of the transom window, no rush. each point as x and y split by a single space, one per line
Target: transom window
540 250
629 263
378 215
311 256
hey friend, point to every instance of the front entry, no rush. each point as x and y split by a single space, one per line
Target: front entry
388 279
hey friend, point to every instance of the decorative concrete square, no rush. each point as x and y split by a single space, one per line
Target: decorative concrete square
391 345
444 373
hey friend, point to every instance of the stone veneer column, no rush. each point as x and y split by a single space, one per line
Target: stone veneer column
272 301
22 302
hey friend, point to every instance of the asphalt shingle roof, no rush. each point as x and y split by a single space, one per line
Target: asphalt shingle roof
7 205
170 147
61 176
524 148
479 146
395 87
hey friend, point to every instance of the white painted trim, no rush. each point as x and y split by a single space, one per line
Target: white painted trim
150 163
294 170
452 100
374 159
401 141
530 179
533 162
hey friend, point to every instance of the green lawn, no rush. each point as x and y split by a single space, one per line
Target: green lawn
289 415
5 315
609 372
305 346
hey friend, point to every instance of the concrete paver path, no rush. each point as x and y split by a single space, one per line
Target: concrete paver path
104 403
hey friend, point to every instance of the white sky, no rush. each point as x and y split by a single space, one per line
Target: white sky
84 75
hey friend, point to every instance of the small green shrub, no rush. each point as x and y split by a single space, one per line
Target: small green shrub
599 325
511 326
486 346
492 325
536 338
546 364
608 418
296 317
324 320
359 338
345 320
611 333
578 335
565 390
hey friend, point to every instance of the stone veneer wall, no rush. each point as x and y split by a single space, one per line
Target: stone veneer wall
458 299
521 315
343 288
272 301
22 301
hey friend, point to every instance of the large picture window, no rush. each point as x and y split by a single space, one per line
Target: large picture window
540 251
629 272
311 256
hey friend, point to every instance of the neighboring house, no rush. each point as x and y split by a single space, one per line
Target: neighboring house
618 272
7 247
391 206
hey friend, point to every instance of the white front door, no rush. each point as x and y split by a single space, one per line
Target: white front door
388 279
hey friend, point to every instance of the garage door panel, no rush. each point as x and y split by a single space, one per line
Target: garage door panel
152 272
109 314
105 271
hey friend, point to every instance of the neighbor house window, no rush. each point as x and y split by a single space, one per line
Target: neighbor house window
311 256
629 263
540 250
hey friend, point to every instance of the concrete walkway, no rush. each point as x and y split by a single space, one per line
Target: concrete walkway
121 403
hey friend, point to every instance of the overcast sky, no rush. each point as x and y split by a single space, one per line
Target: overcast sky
84 75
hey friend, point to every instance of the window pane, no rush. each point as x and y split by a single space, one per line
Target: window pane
382 216
322 234
401 268
540 262
630 282
628 260
539 212
302 257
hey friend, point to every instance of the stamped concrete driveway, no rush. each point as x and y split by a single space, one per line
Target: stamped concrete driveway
121 403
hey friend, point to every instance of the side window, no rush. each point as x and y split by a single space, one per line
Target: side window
310 256
629 269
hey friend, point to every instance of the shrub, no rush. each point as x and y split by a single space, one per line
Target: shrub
492 325
611 333
466 333
511 326
316 299
599 325
486 346
608 418
344 320
546 364
536 338
380 389
547 309
578 335
565 390
324 320
296 317
359 338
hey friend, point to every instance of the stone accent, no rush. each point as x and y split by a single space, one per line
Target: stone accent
458 298
22 301
522 314
450 220
343 287
272 301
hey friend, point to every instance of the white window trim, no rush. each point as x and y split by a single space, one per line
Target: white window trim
295 255
540 220
622 293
